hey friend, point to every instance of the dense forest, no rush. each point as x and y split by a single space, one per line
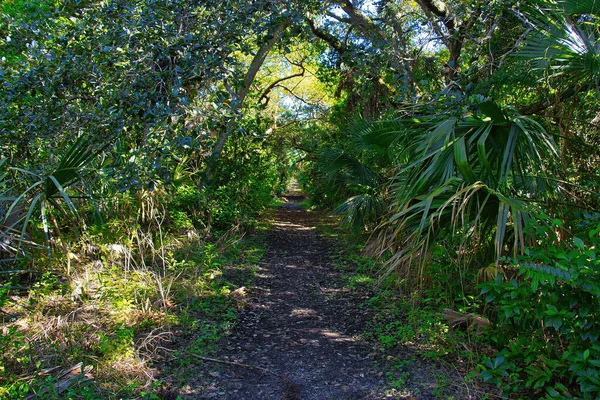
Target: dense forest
143 143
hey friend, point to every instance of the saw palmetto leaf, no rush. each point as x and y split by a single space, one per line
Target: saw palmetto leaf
42 189
565 46
469 176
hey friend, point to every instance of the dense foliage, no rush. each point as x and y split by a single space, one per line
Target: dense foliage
459 191
546 303
463 137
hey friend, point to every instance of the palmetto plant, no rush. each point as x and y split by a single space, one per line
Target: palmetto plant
359 173
23 193
565 44
480 176
475 176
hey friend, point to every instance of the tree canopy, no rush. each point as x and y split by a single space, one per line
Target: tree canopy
462 137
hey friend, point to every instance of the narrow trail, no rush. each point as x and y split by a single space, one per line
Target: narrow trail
300 323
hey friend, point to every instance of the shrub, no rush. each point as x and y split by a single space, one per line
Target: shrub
547 321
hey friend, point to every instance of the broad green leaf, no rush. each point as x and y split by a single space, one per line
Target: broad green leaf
491 109
462 161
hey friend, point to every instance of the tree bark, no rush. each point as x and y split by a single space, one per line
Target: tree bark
331 40
456 32
237 98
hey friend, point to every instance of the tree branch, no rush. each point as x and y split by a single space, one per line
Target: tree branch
327 37
236 364
259 60
430 8
285 78
336 17
290 91
362 21
237 98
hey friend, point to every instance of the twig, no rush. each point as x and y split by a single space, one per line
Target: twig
236 364
75 375
7 314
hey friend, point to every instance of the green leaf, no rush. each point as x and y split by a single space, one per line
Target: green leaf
581 6
491 109
498 361
462 160
556 323
64 195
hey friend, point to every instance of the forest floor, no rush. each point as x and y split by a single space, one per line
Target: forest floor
300 333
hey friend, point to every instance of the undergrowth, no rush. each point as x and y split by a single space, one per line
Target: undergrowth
409 330
126 299
528 326
544 308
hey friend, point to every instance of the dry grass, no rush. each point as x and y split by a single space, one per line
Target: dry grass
113 306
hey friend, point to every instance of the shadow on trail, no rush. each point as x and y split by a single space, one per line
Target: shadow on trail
300 323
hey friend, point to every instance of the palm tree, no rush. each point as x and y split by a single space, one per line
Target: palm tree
358 173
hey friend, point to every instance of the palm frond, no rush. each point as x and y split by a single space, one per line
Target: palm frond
338 167
79 154
578 7
361 210
21 207
564 45
467 178
379 138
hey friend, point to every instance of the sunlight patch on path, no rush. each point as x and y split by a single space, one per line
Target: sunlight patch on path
296 227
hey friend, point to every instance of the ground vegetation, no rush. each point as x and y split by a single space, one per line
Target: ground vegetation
142 142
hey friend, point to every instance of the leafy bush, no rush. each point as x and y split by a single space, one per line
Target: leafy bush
547 320
188 207
244 184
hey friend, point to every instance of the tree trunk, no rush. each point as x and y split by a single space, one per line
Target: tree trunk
237 98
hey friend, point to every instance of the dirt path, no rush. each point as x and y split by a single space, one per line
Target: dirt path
299 323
